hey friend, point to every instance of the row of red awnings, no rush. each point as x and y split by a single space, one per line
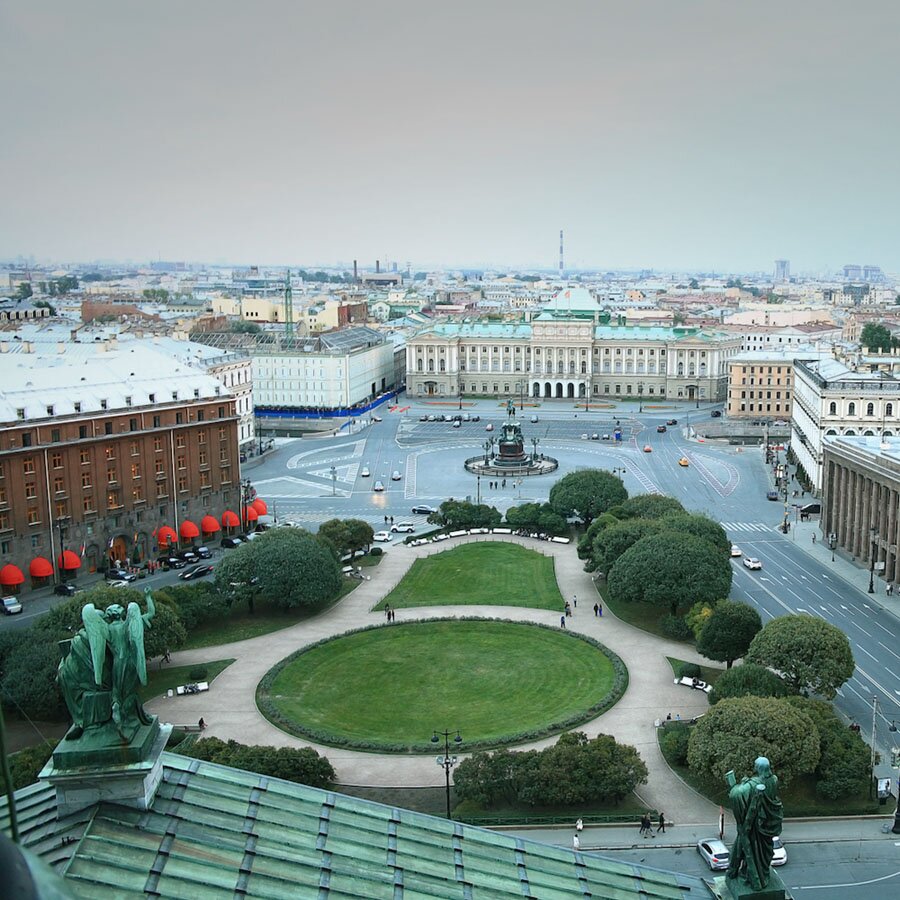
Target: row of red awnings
11 575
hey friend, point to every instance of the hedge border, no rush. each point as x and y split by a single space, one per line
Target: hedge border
265 705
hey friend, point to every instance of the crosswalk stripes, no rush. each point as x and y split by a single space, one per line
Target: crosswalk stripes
748 526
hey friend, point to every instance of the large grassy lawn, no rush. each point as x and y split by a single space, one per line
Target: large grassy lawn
390 687
488 573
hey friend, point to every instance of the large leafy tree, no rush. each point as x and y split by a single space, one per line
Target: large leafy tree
728 632
735 732
613 541
670 570
462 514
28 684
196 603
811 654
347 535
539 516
875 337
586 541
235 576
700 526
588 494
746 680
650 506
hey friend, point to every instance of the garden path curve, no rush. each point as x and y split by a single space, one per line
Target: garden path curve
230 711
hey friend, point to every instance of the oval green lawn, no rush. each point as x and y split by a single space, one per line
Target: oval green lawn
390 687
489 573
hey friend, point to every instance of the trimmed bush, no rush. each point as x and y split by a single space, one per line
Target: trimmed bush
674 739
376 551
688 670
676 628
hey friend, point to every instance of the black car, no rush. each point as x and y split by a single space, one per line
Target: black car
229 542
65 590
203 552
716 413
661 429
188 556
120 575
423 510
172 562
671 421
199 571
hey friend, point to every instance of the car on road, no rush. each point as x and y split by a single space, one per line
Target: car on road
172 562
476 418
189 556
365 473
584 437
811 509
648 448
751 562
489 426
423 510
203 552
404 527
714 852
383 537
65 590
229 542
779 857
771 495
778 423
736 551
376 418
661 429
432 418
671 421
378 486
604 437
534 419
684 462
595 437
117 584
120 575
716 413
396 476
199 571
457 424
11 606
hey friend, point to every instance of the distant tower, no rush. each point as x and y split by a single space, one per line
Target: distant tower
288 307
561 266
782 270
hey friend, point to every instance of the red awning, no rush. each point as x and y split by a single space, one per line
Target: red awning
251 514
40 568
10 575
68 560
230 519
166 535
209 524
260 506
188 529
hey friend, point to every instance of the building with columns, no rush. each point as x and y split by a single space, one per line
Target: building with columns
861 500
571 350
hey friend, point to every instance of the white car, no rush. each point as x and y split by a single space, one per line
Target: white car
489 427
396 476
736 551
382 536
779 858
378 486
117 584
534 419
456 424
11 606
714 852
584 437
365 472
405 527
751 562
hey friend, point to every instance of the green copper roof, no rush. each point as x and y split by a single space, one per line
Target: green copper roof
217 832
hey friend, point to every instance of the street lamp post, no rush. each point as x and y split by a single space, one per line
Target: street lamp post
620 471
873 549
333 481
446 762
534 445
61 522
246 487
640 396
832 542
478 492
587 395
895 763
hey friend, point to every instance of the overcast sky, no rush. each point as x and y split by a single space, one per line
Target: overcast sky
667 134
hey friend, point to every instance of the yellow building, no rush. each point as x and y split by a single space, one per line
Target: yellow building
760 386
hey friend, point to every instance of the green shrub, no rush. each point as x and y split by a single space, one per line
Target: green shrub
688 670
674 740
376 551
198 673
25 765
676 628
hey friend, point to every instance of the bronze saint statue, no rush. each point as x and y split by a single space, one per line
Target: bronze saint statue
759 815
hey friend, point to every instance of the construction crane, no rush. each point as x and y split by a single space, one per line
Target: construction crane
288 308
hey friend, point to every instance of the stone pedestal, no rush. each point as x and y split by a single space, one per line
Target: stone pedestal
81 780
737 889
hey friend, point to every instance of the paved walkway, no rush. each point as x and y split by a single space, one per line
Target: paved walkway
230 712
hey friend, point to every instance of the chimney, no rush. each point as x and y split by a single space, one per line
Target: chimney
377 266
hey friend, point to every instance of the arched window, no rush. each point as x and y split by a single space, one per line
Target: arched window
418 365
889 409
831 431
851 409
443 366
430 365
832 408
870 409
681 368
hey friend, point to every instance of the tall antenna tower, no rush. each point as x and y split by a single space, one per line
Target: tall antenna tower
560 253
288 308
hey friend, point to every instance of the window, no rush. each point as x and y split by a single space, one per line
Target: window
182 483
50 410
889 409
34 517
851 409
179 441
201 415
62 509
181 461
156 421
203 458
128 401
160 467
5 547
4 522
201 436
104 404
137 494
135 470
87 505
28 465
56 460
135 448
204 480
132 425
59 485
82 431
54 435
152 398
111 476
157 444
107 428
26 439
20 413
85 479
110 451
112 499
222 434
832 408
2 495
77 406
179 418
85 456
870 409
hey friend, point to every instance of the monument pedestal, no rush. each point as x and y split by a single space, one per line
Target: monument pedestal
738 889
81 779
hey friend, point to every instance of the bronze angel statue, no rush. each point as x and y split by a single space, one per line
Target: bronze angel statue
105 664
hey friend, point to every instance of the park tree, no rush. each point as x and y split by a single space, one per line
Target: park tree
727 634
735 732
876 337
586 541
23 290
526 515
457 514
811 654
693 284
196 603
700 526
28 685
587 494
747 680
361 534
489 779
235 576
670 570
612 542
650 506
347 535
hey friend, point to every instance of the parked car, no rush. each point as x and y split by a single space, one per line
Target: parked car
457 424
230 542
779 423
489 426
376 418
604 437
595 436
365 473
378 486
716 413
661 429
466 417
172 562
423 418
779 857
120 575
751 562
811 509
383 537
65 590
405 527
771 495
534 419
671 421
396 476
648 448
476 418
585 436
423 510
203 552
188 556
714 852
432 418
198 571
11 606
736 551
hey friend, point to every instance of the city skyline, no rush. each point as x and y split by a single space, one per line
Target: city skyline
688 137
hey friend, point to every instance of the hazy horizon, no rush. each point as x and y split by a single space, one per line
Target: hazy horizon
690 136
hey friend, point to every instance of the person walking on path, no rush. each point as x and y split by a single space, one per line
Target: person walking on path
814 537
662 823
575 842
596 609
889 589
600 610
579 825
562 621
575 600
645 825
387 612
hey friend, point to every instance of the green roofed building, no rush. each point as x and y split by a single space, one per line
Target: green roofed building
215 832
570 350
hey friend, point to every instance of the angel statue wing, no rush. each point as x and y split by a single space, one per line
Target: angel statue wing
134 624
97 631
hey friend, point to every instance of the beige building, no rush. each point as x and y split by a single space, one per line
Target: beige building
760 386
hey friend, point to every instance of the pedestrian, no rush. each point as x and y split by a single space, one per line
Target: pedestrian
814 537
385 520
596 609
166 656
504 482
562 621
600 610
392 520
579 825
201 724
677 717
890 588
393 615
662 824
575 600
575 842
645 825
387 612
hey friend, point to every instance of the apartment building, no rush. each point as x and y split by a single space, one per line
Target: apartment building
760 385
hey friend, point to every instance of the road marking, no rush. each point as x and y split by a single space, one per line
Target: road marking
848 884
874 658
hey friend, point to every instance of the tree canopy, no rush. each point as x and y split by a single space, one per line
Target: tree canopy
735 732
650 506
700 526
587 493
612 542
811 654
670 570
746 680
728 631
462 514
537 516
876 337
347 535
